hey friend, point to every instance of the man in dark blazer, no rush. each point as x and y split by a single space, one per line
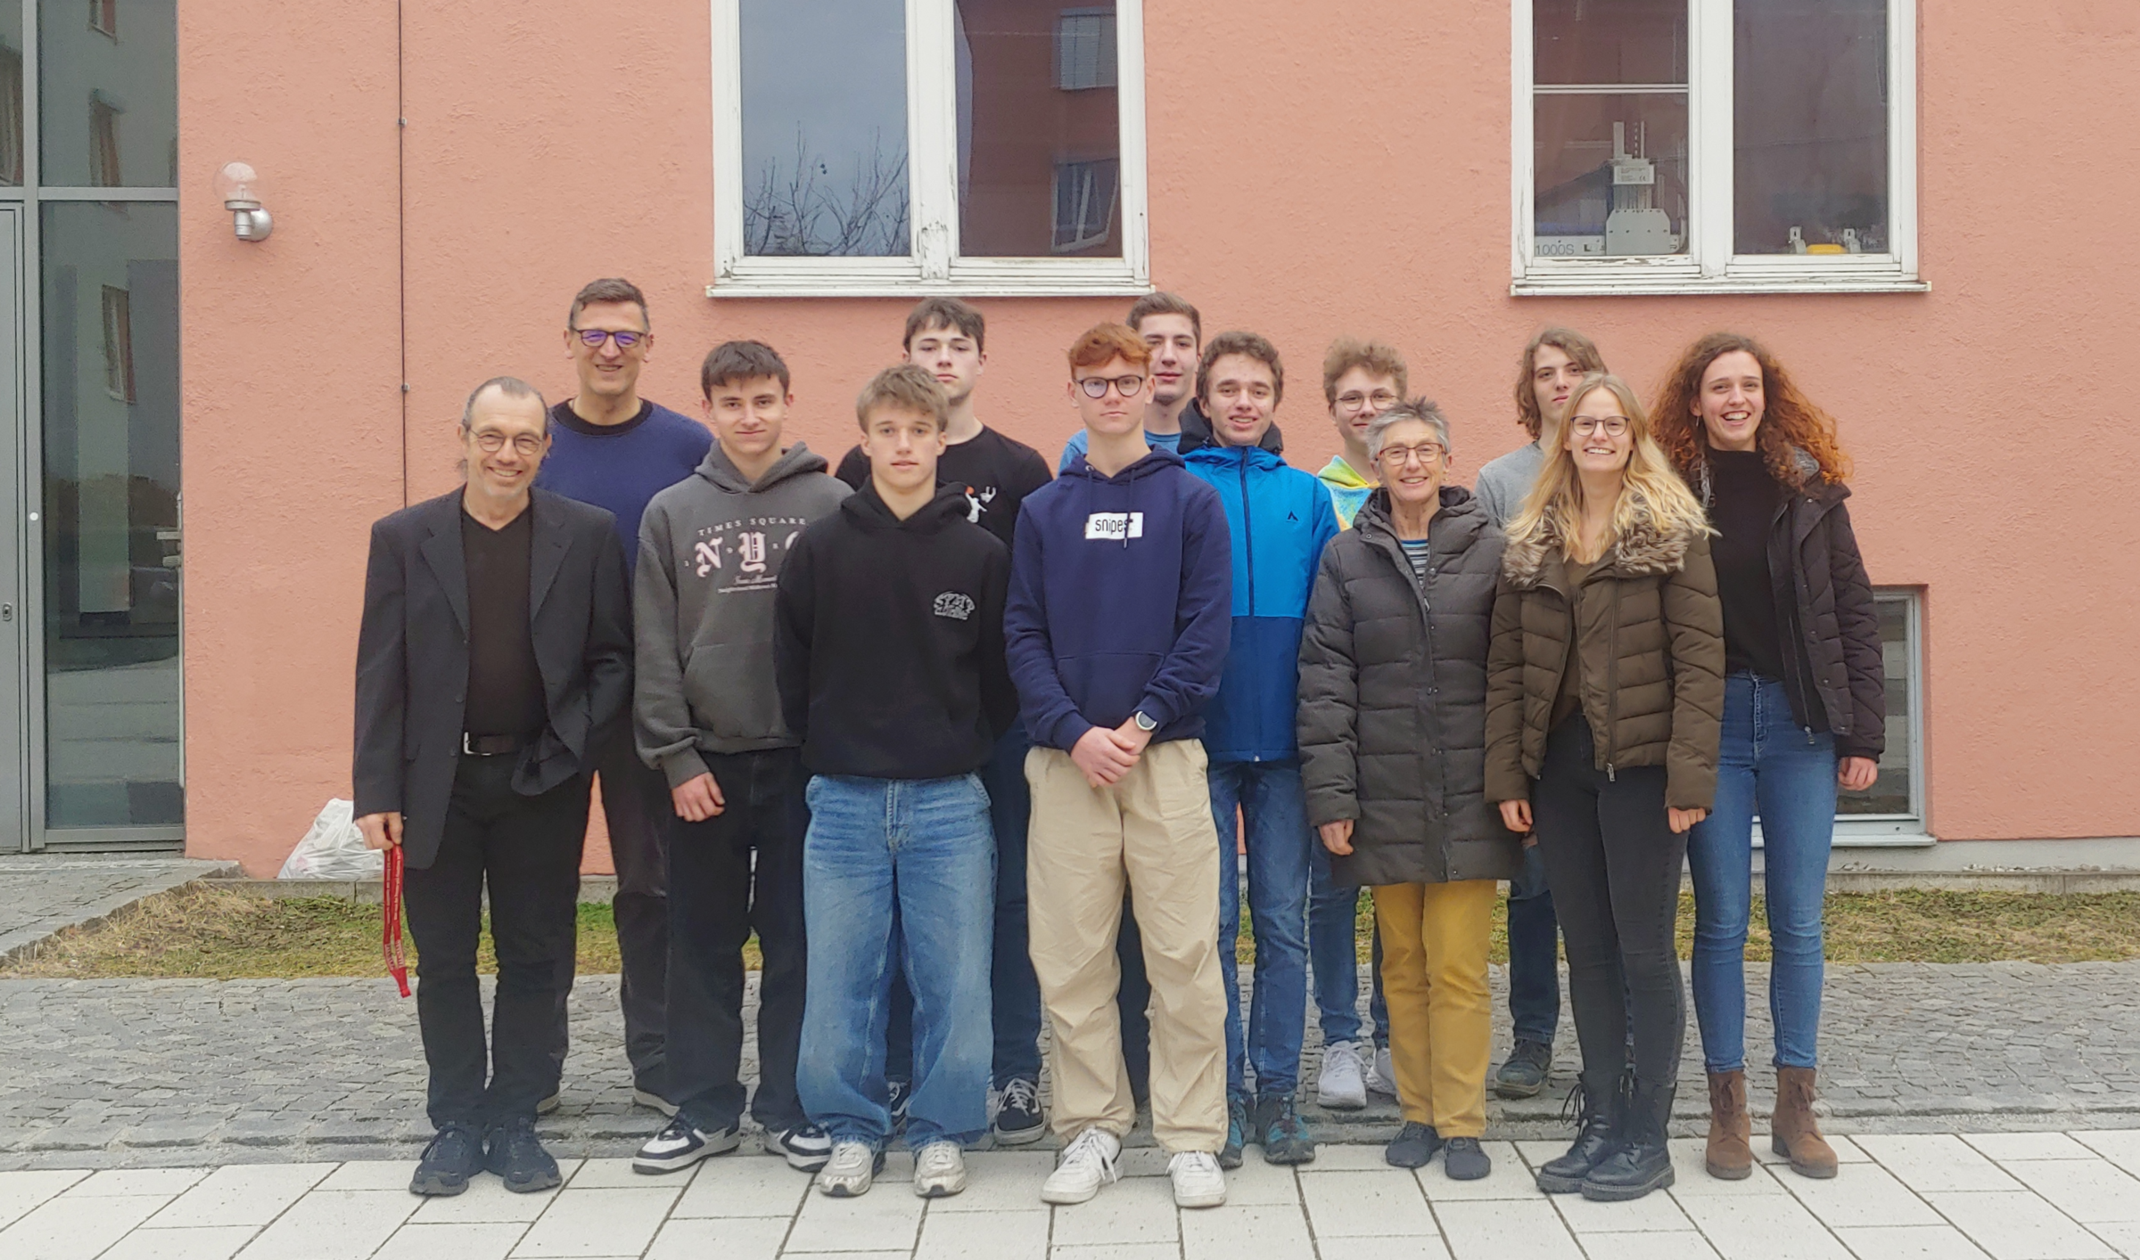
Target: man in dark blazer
494 661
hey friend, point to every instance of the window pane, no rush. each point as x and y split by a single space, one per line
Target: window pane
1811 126
1891 792
1611 175
825 128
107 93
111 512
1609 41
10 94
1040 136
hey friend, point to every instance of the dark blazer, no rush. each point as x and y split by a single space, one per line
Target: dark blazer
412 657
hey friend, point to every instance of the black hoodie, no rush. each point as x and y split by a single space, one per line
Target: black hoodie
888 640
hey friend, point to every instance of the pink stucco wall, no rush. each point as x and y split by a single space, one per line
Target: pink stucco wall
1309 177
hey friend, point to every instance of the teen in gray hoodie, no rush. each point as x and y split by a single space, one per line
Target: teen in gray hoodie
706 713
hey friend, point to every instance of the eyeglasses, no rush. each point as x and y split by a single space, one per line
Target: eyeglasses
594 337
493 441
1380 400
1427 453
1096 386
1613 426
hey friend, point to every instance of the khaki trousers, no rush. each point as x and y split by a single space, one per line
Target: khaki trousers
1441 1017
1152 833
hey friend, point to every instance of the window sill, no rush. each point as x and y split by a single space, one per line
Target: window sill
1633 277
1862 832
995 277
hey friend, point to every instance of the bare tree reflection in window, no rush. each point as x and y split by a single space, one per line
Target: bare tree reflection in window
807 209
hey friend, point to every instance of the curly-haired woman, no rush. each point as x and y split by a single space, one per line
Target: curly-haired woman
1804 713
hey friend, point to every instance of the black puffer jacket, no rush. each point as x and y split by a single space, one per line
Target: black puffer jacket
1393 699
1834 673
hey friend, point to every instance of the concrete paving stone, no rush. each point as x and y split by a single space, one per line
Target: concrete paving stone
23 1190
1652 1212
1386 1247
2119 1146
168 1182
2124 1236
1273 1232
1909 1242
1011 1235
2002 1147
1510 1179
1691 1179
1133 1210
617 1174
1332 1157
75 1229
1761 1227
214 1242
472 1241
1846 1149
1506 1230
333 1225
1364 1204
242 1194
1859 1196
1683 1244
1257 1184
730 1238
486 1201
996 1181
2016 1225
598 1222
1115 1251
370 1174
1936 1162
2093 1191
888 1216
737 1186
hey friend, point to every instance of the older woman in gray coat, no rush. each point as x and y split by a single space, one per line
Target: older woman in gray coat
1393 740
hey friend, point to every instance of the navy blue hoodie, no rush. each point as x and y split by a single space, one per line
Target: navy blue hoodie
1121 599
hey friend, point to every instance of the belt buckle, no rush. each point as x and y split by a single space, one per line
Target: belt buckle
468 747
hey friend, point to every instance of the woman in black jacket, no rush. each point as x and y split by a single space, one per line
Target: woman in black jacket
1804 713
1392 725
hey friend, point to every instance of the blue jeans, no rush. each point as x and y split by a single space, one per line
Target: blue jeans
923 846
1274 808
1787 772
1333 917
1533 953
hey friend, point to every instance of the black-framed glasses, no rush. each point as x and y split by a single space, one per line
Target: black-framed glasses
1096 386
594 337
1354 400
1612 426
493 441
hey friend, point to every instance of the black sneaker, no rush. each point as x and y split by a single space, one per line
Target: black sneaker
454 1156
1465 1160
899 1095
1283 1134
1019 1119
516 1155
1526 1071
681 1144
1236 1132
806 1146
1413 1146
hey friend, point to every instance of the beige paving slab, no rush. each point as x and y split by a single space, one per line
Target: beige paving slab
130 1182
1007 1235
2017 1225
889 1216
75 1229
373 1174
1257 1184
1117 1251
1909 1242
474 1241
1657 1211
1761 1227
1535 1152
486 1201
1267 1232
599 1221
1004 1181
242 1194
741 1187
1364 1204
22 1191
1133 1210
1387 1247
2002 1147
1937 1163
617 1174
2123 1236
209 1242
333 1225
1346 1158
1506 1230
1680 1244
2091 1191
1860 1195
1691 1179
2119 1146
1510 1179
727 1237
1846 1150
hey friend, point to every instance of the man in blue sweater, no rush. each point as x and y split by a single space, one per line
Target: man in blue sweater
1115 629
1279 518
615 450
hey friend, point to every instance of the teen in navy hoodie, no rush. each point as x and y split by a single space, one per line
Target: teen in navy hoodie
1116 630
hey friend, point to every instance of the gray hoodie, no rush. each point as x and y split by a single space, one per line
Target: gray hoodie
710 551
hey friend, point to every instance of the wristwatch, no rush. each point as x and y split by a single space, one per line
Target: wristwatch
1144 723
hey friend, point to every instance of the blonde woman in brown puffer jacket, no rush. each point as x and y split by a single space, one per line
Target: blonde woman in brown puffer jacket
1604 697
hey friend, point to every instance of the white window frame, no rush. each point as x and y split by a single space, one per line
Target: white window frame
934 264
1709 264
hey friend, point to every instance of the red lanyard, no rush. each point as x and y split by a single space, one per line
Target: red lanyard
397 959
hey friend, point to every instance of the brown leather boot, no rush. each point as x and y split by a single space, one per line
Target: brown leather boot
1795 1134
1731 1131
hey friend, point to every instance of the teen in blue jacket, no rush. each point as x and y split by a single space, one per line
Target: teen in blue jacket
1280 517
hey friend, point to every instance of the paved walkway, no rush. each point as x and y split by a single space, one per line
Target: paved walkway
2046 1196
115 1073
39 895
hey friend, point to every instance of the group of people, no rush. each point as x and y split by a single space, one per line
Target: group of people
964 745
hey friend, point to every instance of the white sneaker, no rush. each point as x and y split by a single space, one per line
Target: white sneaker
850 1170
1381 1077
1087 1164
1198 1183
939 1170
1341 1087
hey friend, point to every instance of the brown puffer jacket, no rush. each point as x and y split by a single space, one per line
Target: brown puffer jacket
1651 635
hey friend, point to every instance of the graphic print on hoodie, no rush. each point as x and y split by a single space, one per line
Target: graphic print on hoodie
1119 594
1280 518
711 549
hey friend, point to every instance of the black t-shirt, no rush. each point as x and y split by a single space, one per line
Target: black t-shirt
996 472
1744 497
504 684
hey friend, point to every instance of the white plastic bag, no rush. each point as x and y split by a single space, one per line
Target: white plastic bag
334 849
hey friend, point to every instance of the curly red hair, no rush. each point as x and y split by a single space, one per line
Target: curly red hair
1789 421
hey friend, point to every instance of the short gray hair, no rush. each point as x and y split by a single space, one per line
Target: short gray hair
1423 410
511 387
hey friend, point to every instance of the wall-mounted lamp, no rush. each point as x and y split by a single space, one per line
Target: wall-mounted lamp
238 185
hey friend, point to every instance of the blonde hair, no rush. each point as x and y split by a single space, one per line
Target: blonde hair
1649 488
904 387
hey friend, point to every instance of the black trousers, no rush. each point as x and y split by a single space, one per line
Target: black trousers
527 849
739 871
637 809
1614 868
